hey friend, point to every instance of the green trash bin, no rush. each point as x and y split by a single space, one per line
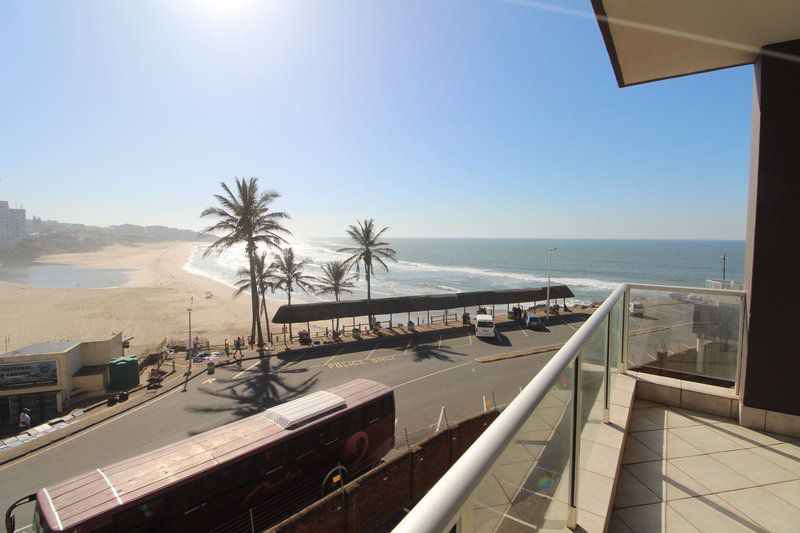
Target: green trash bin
123 373
210 368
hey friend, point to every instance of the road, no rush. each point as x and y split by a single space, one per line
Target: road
427 374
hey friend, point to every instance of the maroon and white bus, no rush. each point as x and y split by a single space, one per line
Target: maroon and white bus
246 474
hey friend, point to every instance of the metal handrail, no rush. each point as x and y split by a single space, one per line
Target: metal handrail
694 290
438 510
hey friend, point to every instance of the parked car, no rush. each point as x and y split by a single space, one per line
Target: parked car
534 322
636 309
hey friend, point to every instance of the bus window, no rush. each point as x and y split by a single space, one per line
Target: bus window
303 444
372 412
141 517
275 458
386 406
331 432
353 422
195 495
238 474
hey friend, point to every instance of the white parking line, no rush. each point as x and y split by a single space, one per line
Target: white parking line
407 346
568 324
439 423
523 331
431 374
246 369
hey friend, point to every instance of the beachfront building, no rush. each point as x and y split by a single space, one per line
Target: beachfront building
12 225
626 429
47 377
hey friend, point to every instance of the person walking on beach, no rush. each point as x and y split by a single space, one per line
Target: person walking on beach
227 349
24 419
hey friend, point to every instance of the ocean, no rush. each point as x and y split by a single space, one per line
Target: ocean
592 268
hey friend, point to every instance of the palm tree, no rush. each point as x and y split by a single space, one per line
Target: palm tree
264 276
244 215
289 275
368 249
335 280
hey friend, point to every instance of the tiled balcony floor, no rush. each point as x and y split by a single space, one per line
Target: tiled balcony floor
688 471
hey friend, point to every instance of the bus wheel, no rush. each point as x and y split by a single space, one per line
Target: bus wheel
335 479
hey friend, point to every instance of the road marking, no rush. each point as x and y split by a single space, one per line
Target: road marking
369 355
469 336
293 361
684 345
89 430
431 374
568 324
20 530
440 343
246 370
210 380
523 331
407 346
439 423
484 403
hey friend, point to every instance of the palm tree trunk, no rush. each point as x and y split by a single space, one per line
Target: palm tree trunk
266 315
369 293
337 320
289 295
255 303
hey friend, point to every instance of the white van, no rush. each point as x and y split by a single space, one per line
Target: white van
484 326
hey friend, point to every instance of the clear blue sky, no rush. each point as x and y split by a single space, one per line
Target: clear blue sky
441 118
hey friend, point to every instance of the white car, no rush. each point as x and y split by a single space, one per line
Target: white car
484 326
636 309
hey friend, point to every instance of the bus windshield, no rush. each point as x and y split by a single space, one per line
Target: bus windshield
485 324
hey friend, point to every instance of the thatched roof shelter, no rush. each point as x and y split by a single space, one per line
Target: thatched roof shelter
408 304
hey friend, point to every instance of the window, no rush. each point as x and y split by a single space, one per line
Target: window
238 474
275 458
372 412
387 406
141 517
303 444
352 422
331 432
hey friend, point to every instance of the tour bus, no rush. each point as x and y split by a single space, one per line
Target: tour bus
250 473
484 326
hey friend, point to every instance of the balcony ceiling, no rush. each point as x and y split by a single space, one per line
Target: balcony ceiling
650 40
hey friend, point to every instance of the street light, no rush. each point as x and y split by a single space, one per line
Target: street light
189 351
549 263
724 261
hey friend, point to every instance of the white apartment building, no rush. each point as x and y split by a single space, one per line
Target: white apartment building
12 225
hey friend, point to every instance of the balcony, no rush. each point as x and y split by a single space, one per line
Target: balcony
632 426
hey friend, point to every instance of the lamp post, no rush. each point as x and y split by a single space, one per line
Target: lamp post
724 264
549 263
191 345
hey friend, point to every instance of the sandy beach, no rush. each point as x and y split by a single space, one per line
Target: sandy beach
151 307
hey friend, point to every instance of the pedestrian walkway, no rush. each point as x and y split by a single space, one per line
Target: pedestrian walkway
689 471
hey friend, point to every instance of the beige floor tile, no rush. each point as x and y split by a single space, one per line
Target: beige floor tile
667 481
787 456
676 419
590 522
701 418
636 452
639 422
653 439
789 491
705 439
713 515
749 438
644 518
603 433
765 508
711 473
594 492
675 523
631 491
658 415
753 466
600 459
618 525
642 404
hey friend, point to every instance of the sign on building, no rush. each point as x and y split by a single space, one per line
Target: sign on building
28 374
